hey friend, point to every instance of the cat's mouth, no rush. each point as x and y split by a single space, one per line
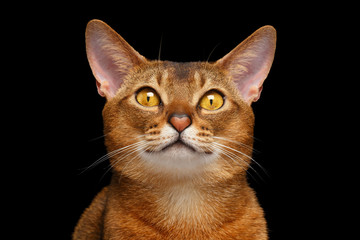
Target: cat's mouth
179 144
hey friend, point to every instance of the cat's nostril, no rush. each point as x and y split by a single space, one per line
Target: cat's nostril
180 121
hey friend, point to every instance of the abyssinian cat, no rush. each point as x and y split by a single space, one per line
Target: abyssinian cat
179 138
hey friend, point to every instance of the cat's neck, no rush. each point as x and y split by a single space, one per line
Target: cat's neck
186 204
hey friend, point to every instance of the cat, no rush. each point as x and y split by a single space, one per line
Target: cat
179 138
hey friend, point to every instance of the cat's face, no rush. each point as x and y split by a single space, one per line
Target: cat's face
189 90
175 119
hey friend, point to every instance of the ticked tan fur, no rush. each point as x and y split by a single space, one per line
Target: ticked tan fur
182 194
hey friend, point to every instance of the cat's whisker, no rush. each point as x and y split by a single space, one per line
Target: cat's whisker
131 160
228 154
207 60
231 155
138 153
97 138
231 131
112 154
236 159
205 156
243 154
118 160
141 136
151 148
136 149
104 135
237 142
160 47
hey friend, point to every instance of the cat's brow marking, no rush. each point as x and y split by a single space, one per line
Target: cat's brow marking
162 77
199 79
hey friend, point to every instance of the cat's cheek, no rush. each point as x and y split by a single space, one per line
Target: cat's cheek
141 117
216 122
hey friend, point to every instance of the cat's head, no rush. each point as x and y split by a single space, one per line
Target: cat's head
173 119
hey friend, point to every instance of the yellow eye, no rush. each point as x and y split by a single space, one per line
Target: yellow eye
148 97
212 100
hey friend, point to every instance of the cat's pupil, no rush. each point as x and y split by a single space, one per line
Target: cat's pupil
148 96
211 99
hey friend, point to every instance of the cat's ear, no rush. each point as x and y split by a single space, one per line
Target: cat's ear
249 63
110 57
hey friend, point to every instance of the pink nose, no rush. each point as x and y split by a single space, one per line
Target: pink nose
180 122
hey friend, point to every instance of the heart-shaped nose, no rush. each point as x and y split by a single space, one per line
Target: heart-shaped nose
180 121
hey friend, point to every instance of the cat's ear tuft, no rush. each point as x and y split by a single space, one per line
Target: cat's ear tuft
249 63
110 57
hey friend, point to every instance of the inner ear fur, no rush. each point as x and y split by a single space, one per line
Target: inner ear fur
249 63
110 57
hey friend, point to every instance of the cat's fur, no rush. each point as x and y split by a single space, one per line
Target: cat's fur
176 192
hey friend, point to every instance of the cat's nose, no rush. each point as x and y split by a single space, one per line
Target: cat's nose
180 121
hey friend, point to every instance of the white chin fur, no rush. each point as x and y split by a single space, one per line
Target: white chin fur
177 160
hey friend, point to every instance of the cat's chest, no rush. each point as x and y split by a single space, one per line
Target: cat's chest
181 201
184 205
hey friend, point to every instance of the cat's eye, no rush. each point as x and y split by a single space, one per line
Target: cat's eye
148 97
212 100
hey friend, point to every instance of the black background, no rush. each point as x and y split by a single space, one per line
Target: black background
56 111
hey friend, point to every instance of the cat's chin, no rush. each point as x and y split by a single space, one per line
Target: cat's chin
179 159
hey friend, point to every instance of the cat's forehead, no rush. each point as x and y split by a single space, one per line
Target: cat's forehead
183 71
193 75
